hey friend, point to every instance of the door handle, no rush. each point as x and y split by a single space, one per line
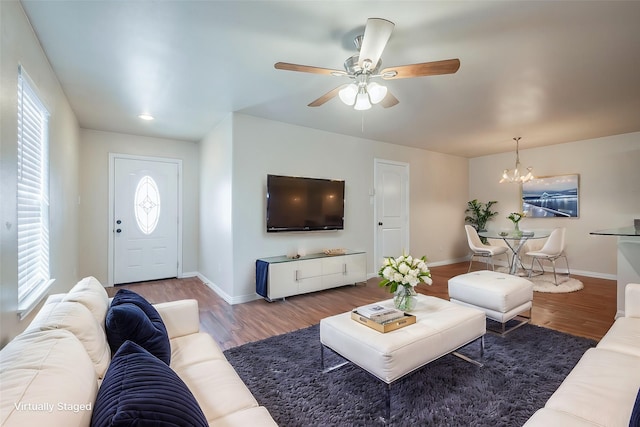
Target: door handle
380 223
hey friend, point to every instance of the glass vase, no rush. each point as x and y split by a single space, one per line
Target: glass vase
516 230
405 298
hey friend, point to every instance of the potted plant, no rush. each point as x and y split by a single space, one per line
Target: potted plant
478 213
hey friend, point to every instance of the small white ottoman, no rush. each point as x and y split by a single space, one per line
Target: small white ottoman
501 296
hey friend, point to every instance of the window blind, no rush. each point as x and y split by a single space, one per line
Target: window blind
33 193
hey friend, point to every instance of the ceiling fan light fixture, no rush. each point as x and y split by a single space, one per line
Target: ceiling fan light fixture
348 94
366 65
362 100
376 91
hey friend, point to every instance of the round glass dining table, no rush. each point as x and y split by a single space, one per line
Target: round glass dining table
515 240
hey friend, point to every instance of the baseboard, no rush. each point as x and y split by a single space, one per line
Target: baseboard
225 296
447 261
189 274
252 297
592 274
547 267
585 273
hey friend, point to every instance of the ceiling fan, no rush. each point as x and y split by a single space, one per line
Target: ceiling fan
365 66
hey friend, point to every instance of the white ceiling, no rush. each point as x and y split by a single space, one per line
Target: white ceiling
549 71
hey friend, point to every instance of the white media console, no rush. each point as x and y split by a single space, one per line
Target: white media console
315 272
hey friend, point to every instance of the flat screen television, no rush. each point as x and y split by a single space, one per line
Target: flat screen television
304 204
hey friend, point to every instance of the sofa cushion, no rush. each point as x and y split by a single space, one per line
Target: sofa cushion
131 317
141 390
623 336
90 293
546 417
180 317
217 387
193 349
47 379
601 388
77 319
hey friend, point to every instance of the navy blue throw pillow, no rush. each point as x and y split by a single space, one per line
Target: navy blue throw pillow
140 390
131 317
635 414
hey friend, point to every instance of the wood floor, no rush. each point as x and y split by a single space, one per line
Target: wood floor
587 313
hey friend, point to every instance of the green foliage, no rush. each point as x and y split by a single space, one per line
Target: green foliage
478 213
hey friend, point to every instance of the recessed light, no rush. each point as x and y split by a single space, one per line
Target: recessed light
146 116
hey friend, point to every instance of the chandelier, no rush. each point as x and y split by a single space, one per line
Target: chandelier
516 175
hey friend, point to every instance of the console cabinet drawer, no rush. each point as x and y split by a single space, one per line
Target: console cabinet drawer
293 277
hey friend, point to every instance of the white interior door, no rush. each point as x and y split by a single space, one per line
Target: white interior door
145 220
392 209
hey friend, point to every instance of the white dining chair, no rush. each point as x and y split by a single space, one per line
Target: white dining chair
479 249
551 251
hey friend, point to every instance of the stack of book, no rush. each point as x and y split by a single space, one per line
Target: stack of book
380 314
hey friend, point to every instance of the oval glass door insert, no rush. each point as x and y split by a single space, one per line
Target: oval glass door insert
147 204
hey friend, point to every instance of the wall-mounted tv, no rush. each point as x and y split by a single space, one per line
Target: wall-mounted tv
304 204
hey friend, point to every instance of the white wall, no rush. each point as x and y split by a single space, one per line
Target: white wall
216 233
19 45
609 194
262 147
94 226
438 199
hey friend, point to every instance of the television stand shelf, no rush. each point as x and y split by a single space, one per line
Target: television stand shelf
280 277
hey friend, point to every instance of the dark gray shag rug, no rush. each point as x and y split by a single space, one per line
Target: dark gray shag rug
520 373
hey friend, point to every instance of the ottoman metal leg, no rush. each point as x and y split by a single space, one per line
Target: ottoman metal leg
388 405
467 358
387 418
522 320
331 368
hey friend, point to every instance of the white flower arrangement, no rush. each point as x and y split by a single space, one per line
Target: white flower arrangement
404 271
515 217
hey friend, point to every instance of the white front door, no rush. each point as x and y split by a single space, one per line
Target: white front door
145 219
392 209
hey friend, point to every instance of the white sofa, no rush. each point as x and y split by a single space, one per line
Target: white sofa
602 388
51 373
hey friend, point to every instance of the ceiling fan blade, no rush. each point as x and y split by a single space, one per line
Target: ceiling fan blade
389 100
448 66
308 69
376 36
327 96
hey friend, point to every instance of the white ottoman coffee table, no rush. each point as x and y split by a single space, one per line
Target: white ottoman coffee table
501 296
441 328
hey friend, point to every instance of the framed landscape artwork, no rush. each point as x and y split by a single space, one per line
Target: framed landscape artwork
551 196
